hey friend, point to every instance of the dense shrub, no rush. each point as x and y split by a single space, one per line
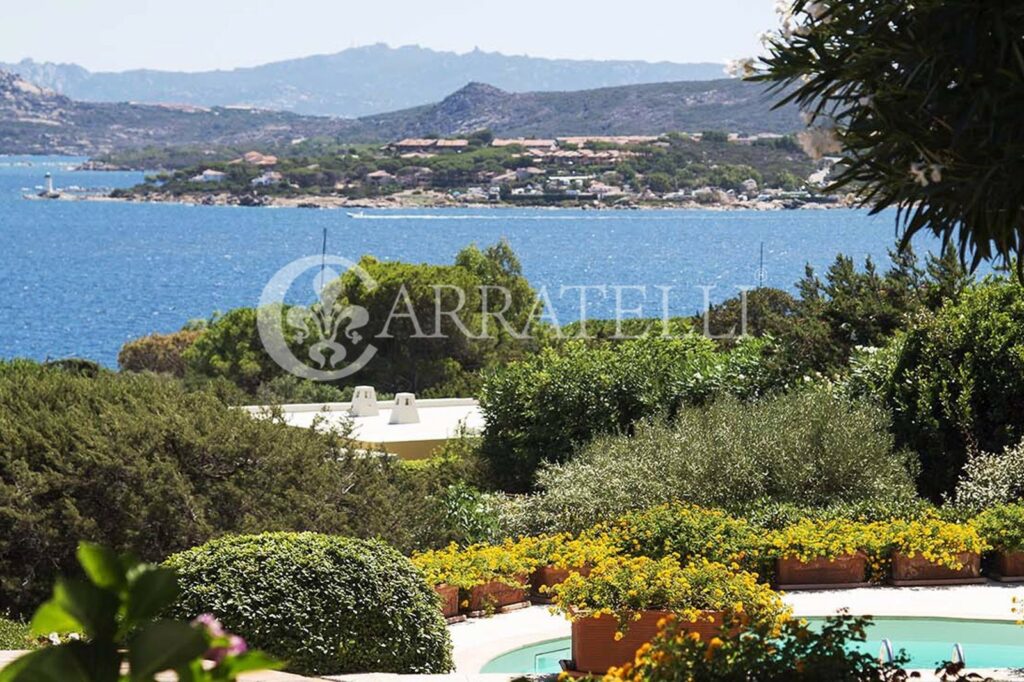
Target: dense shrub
14 635
1002 527
772 515
161 353
811 447
539 409
991 479
136 462
325 604
958 383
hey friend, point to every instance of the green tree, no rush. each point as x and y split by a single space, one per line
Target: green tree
957 385
923 101
539 409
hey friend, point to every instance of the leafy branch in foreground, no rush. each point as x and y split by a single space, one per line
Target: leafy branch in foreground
111 617
923 102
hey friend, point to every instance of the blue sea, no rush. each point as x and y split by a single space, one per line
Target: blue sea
80 278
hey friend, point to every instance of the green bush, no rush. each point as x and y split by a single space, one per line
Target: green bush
958 382
772 515
1002 527
161 353
991 479
325 604
14 635
538 410
136 462
811 447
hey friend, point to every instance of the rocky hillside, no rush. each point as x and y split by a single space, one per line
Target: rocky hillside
357 82
34 120
725 104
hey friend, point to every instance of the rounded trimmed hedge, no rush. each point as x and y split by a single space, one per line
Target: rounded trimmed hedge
325 604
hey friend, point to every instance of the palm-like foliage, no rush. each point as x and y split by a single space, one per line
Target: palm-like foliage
924 101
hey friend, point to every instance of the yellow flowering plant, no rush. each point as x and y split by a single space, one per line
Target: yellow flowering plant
475 565
683 531
623 587
788 652
830 539
1002 527
811 539
938 541
565 551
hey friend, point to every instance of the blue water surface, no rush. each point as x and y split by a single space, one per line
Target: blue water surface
927 642
81 278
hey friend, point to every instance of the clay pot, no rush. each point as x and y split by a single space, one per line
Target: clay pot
449 600
917 570
1010 565
494 595
594 649
849 569
549 576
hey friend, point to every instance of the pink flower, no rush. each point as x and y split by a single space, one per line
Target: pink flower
236 645
209 622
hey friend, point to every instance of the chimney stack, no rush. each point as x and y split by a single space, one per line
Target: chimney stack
404 411
364 402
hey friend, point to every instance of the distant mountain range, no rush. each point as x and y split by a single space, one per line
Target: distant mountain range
34 120
356 82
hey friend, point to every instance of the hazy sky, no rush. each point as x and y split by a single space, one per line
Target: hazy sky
206 34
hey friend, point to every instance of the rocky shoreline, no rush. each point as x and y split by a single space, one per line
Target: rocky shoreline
429 199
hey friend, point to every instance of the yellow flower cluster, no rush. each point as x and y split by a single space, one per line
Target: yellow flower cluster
938 541
684 531
566 551
468 567
808 540
623 587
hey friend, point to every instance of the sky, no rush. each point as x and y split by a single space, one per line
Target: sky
196 35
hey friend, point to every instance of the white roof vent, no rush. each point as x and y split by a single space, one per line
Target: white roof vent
364 402
404 411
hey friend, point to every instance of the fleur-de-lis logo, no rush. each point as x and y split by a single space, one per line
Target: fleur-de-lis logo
322 329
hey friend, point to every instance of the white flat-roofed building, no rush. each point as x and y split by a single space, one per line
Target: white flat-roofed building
392 430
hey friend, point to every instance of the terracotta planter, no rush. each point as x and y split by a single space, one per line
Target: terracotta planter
917 570
1009 566
847 570
449 600
494 595
594 649
549 576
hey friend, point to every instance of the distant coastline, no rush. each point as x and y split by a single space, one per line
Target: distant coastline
427 199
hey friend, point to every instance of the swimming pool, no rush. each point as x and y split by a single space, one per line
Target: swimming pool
985 643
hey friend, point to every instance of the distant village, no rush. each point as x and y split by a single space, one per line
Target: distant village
764 171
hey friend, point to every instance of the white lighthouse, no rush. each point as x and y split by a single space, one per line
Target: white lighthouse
49 192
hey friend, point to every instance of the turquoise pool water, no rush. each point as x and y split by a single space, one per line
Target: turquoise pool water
986 644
